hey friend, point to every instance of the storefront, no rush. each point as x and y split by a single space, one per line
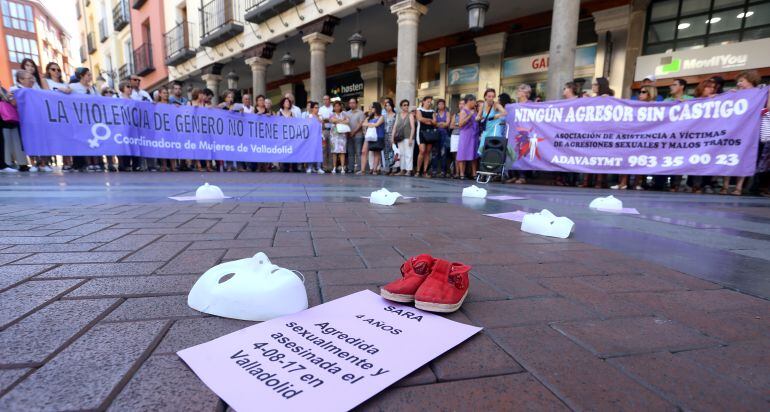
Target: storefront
345 86
533 70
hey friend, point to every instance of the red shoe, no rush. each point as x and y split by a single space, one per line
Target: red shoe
414 271
445 289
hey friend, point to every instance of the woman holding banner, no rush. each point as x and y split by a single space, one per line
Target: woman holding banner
746 80
648 93
83 85
200 99
701 184
599 88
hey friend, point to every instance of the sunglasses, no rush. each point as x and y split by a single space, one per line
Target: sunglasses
643 92
54 70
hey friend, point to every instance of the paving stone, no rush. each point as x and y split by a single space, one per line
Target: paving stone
35 240
85 374
157 251
9 376
30 341
231 244
685 384
621 337
6 258
502 313
190 332
596 300
53 247
511 393
509 282
155 307
83 230
320 262
25 297
12 274
379 276
227 227
477 357
271 252
106 235
195 237
581 380
88 270
329 293
422 376
135 286
73 257
192 261
705 300
554 270
628 283
128 242
746 363
165 383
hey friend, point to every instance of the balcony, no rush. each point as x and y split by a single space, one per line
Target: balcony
91 43
219 22
83 54
125 71
177 43
258 11
104 31
143 59
137 4
120 15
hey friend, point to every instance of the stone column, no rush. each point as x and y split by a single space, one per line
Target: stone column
636 21
212 83
318 43
408 13
611 56
490 50
371 74
258 74
564 27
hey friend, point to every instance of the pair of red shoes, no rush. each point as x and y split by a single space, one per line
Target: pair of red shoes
434 285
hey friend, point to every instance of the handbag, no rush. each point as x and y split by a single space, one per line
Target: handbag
399 136
8 113
377 145
342 128
429 136
371 134
454 142
764 128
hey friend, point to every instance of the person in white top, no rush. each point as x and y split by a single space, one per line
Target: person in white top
295 111
83 84
325 111
137 93
54 79
246 102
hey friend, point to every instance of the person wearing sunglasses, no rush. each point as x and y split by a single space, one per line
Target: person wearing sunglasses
53 76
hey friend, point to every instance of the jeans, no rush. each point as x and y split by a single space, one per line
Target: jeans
387 155
440 157
354 147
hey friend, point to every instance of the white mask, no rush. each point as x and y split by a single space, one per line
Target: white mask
606 203
475 191
547 224
384 197
209 192
256 290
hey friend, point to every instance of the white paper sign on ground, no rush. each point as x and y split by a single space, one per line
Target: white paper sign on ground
625 210
505 197
331 357
193 198
516 216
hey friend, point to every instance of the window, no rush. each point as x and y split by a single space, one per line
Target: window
20 48
687 24
18 16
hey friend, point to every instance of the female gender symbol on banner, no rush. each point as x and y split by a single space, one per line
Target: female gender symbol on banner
94 143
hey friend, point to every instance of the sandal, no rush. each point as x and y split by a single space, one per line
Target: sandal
736 193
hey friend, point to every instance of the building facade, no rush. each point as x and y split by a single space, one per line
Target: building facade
416 48
29 30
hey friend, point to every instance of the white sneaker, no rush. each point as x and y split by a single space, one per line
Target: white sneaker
309 170
47 169
33 169
342 172
639 188
9 170
321 171
334 171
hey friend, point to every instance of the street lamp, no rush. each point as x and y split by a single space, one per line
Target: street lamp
477 10
357 42
287 64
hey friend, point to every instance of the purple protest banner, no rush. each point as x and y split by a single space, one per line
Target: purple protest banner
716 136
81 125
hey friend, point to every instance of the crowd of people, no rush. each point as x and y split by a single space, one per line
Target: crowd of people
427 139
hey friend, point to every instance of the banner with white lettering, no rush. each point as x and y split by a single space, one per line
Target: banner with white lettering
330 357
716 136
83 125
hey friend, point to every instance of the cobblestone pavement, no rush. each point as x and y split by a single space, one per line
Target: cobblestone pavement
642 312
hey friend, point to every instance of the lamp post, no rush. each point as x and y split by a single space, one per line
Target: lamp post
287 64
477 11
357 42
